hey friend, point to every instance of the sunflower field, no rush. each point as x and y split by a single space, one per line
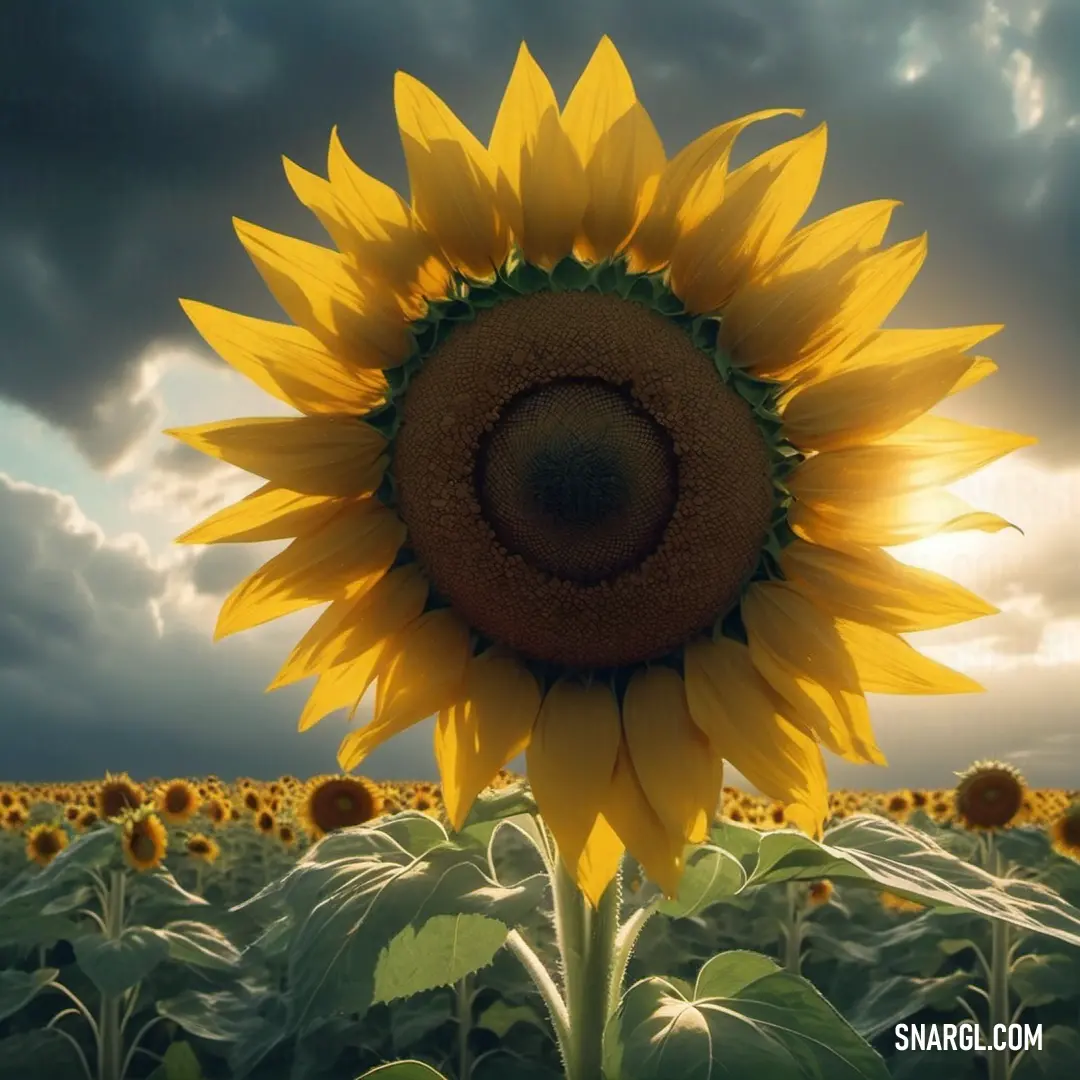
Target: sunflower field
202 930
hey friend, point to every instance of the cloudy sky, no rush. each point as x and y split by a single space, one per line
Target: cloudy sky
130 133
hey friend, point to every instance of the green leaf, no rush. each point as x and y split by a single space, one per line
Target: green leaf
350 899
74 897
877 852
730 973
894 999
200 945
90 851
115 964
44 1052
446 948
413 1018
180 1063
497 804
740 841
1038 980
161 889
402 1070
1055 1060
777 1026
711 874
500 1017
17 988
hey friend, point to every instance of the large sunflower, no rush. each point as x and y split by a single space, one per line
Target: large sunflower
596 457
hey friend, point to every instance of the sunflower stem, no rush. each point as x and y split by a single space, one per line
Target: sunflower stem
586 938
110 1032
463 1001
793 931
998 1060
625 941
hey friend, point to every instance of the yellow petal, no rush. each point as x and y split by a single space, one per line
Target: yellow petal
359 543
373 610
600 860
867 403
341 687
421 674
386 239
319 290
570 760
490 725
798 651
618 146
887 664
981 367
625 807
270 513
732 704
679 773
902 346
929 452
312 455
890 520
318 196
763 201
688 190
806 818
844 233
870 586
545 176
287 362
783 324
453 181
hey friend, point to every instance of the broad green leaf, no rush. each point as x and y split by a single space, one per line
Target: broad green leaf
894 999
494 805
43 1052
19 987
877 852
711 874
741 841
1055 1060
415 1017
499 1017
115 964
346 909
446 948
1038 980
91 851
730 973
200 945
159 888
778 1027
74 897
402 1070
180 1063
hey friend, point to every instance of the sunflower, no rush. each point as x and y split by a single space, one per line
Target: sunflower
118 794
595 459
1065 833
338 802
144 840
177 801
217 809
989 796
44 843
286 835
265 822
203 848
892 902
820 892
898 805
14 818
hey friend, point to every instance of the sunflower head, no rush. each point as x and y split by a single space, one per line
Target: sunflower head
44 842
88 819
265 822
14 818
177 801
596 458
989 796
1065 833
217 809
900 904
252 800
339 802
143 839
118 794
286 835
202 848
898 804
820 892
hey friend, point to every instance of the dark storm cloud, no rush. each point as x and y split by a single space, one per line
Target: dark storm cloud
131 132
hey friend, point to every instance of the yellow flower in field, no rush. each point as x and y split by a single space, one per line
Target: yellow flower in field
217 809
144 840
820 893
596 458
14 818
989 796
44 843
901 904
118 794
1065 833
265 822
286 835
338 802
203 848
177 801
898 804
